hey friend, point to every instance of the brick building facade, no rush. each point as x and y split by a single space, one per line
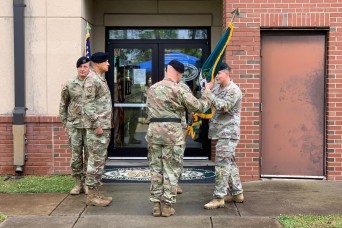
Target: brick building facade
47 149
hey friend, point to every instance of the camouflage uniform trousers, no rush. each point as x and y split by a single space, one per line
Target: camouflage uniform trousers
226 170
166 165
79 152
97 148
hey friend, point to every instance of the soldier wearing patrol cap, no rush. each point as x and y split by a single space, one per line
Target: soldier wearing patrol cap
224 126
97 117
70 110
166 102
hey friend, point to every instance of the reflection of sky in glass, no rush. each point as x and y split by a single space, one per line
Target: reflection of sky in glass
138 34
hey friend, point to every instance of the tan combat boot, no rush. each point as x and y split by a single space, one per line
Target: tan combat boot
237 198
78 188
156 210
94 199
214 203
179 189
168 210
109 198
85 188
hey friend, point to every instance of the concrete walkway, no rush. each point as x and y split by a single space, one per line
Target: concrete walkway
265 200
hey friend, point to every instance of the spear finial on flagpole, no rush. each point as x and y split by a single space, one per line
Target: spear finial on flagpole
235 13
87 27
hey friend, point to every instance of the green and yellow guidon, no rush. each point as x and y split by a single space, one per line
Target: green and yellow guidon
209 70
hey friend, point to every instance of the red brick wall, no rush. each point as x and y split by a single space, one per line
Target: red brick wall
47 141
243 53
6 145
47 146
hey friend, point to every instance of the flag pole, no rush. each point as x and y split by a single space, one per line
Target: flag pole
87 27
235 13
87 51
195 120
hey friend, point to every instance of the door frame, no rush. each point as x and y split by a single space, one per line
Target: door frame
302 32
127 152
157 68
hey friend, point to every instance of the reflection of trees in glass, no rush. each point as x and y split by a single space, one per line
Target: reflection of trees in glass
192 33
156 34
135 56
144 55
150 33
195 52
168 34
198 34
146 34
125 56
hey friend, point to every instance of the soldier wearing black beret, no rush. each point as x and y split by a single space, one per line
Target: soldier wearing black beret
224 66
178 66
167 102
99 57
224 126
81 60
70 110
97 116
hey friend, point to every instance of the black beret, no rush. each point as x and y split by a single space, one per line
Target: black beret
81 60
224 66
178 66
99 57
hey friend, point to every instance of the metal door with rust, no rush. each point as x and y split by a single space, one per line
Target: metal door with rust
293 88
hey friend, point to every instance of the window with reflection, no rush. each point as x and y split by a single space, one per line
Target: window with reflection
163 34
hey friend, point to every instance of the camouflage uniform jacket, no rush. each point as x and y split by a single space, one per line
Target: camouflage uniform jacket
167 99
70 108
97 102
226 120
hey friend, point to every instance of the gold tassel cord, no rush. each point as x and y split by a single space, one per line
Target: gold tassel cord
190 129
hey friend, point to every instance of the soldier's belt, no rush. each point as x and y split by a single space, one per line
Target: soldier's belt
173 120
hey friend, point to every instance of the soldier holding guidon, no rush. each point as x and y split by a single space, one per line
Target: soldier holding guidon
224 126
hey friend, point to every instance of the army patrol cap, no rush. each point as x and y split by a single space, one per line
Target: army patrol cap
178 66
99 57
81 60
224 66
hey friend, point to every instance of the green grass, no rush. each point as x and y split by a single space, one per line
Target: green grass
37 184
2 217
310 221
64 183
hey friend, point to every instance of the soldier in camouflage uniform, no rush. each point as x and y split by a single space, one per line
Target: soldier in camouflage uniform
97 117
70 110
225 127
184 126
166 102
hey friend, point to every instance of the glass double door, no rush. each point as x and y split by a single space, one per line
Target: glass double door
133 69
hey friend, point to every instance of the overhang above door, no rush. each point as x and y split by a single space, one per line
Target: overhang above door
157 20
